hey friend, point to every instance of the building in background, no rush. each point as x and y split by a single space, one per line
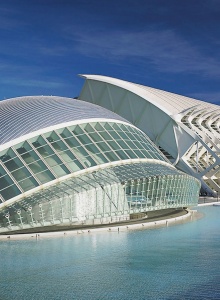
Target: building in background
69 162
184 129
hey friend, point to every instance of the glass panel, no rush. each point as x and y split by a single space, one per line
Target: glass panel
122 144
92 148
80 152
52 136
43 176
84 139
66 133
26 183
123 127
20 172
10 192
84 157
4 182
112 156
108 127
88 128
95 137
29 157
72 142
131 154
6 157
52 160
129 128
66 155
114 145
106 136
142 155
116 127
5 179
21 150
35 163
95 152
131 145
122 154
104 146
77 130
123 135
40 142
115 135
99 127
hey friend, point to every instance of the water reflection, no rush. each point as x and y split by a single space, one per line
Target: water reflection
174 262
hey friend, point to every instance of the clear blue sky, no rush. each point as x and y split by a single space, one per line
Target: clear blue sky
173 45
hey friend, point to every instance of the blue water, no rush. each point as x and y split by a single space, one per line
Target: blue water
176 262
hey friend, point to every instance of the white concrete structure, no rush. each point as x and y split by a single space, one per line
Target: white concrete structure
185 130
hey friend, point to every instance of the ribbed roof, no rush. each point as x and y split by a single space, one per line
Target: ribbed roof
23 115
170 103
178 103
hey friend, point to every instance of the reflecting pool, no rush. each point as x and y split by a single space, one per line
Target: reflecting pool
174 262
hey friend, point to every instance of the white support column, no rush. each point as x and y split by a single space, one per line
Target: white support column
20 217
125 198
110 212
9 222
162 201
31 215
52 211
153 190
96 203
103 208
157 184
142 193
61 207
147 190
41 213
172 179
131 191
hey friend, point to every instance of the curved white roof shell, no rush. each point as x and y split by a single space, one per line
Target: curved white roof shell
185 129
170 103
23 115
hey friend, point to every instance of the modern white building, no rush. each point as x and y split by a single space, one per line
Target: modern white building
184 129
69 162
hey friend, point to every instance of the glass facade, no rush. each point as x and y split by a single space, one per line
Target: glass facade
108 193
68 150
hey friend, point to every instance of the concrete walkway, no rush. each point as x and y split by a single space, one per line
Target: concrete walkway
173 219
177 216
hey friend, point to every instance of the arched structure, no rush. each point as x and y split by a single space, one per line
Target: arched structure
185 130
64 161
